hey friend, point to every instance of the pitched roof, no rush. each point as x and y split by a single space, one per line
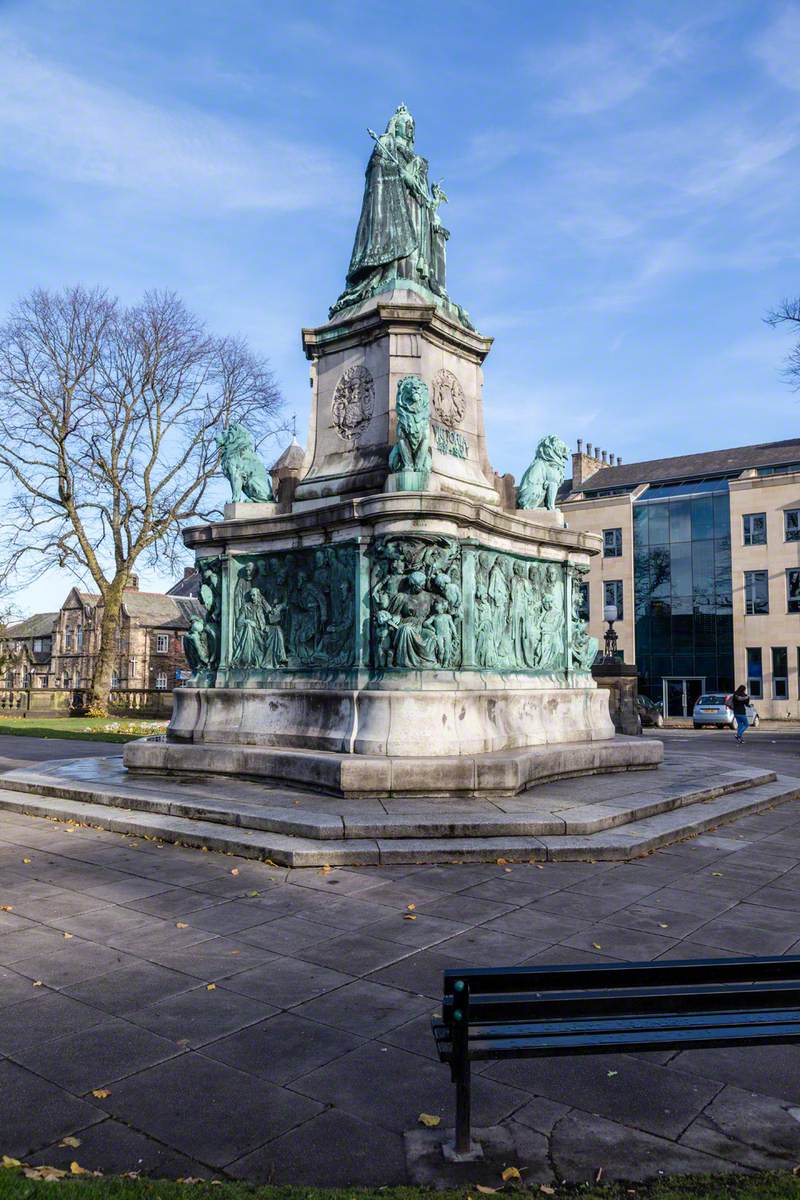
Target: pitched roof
160 609
39 625
292 457
188 586
694 466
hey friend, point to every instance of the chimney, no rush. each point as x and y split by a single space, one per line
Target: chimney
133 583
619 460
611 460
583 465
188 572
604 459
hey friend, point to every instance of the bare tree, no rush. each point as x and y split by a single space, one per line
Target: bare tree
108 423
788 313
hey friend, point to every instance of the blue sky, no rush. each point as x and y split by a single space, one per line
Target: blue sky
623 183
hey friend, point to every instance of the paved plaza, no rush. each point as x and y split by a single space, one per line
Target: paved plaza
183 1013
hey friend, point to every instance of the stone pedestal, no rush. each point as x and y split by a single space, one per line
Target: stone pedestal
393 632
620 680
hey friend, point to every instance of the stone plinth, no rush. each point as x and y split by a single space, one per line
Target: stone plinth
620 680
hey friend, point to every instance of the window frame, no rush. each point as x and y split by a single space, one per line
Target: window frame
612 549
788 572
747 534
619 605
162 687
791 535
757 691
162 643
781 678
750 599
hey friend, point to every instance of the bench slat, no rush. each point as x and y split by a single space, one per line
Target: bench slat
625 974
533 1029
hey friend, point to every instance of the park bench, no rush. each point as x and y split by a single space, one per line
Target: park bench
536 1012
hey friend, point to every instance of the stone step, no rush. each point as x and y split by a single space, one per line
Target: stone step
535 816
631 841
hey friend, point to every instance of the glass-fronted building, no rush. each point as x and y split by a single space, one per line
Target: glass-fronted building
700 554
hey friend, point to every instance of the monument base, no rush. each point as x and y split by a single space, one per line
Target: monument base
380 776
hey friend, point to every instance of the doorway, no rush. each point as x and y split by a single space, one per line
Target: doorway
681 695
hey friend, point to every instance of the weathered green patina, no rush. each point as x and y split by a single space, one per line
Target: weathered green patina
412 449
400 240
539 485
241 466
450 441
406 603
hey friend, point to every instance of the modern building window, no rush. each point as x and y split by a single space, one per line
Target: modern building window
583 601
755 672
756 592
793 590
162 643
755 529
612 594
791 524
612 543
780 673
161 680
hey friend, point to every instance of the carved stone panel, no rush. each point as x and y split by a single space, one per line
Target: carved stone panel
294 610
448 398
353 402
519 618
203 641
416 607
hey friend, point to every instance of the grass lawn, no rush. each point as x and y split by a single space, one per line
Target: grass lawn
92 729
765 1186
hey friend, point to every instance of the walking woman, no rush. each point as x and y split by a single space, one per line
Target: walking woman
740 703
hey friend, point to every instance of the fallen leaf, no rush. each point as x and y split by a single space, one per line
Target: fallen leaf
548 1191
204 849
70 1141
501 862
234 871
429 1120
77 1169
190 1179
101 1093
48 1173
26 861
326 869
411 907
597 946
37 983
182 1042
211 987
68 936
409 916
507 870
717 874
6 907
510 1173
252 895
598 1175
663 925
181 925
611 1074
487 1191
8 1163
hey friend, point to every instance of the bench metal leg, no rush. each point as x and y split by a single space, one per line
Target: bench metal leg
464 1110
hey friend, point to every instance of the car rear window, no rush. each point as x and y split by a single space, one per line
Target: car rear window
711 700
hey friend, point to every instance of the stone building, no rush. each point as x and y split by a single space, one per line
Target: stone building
27 650
701 557
58 650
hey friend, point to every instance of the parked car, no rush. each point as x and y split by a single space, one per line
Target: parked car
716 709
649 712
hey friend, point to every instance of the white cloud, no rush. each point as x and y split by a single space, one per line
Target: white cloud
605 69
61 128
778 48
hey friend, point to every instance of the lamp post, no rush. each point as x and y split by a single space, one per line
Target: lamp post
610 636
